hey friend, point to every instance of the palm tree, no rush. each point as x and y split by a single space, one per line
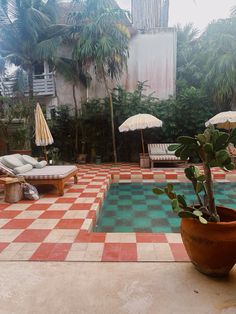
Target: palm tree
233 11
218 48
72 72
25 34
186 51
102 43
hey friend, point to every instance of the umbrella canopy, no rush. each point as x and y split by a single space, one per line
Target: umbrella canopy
223 120
139 122
43 136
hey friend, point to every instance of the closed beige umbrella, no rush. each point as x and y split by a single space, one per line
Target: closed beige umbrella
43 136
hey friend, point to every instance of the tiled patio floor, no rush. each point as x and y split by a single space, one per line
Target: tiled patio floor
59 228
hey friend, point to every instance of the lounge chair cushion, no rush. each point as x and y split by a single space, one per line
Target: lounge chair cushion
29 160
49 172
159 149
5 170
168 152
41 164
164 157
11 161
23 169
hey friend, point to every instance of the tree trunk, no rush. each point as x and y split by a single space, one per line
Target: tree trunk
76 120
31 81
31 98
209 192
112 116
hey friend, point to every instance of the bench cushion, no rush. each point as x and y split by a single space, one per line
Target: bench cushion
41 164
49 172
157 149
29 160
160 149
11 161
23 169
164 157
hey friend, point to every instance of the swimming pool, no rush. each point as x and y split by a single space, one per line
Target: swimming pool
133 207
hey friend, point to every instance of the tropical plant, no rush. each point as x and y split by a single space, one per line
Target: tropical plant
27 33
188 69
54 155
72 72
233 11
218 45
14 122
62 126
210 148
102 43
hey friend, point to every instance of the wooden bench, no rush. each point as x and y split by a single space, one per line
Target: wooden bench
159 153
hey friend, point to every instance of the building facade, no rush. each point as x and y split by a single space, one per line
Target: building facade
152 59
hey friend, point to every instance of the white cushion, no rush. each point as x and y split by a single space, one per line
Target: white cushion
50 172
159 149
5 170
41 164
168 151
23 169
30 160
11 161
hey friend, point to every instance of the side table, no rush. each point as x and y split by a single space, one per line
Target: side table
13 189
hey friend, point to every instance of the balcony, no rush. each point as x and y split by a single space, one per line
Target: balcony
43 86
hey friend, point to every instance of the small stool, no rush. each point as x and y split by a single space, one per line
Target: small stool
13 189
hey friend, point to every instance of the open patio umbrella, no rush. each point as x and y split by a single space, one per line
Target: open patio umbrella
223 120
43 136
140 121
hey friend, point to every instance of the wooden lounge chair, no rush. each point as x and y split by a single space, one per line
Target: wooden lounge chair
49 175
159 153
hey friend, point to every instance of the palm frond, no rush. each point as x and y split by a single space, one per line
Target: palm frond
233 11
46 49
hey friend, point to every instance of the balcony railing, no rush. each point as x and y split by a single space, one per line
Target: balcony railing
43 86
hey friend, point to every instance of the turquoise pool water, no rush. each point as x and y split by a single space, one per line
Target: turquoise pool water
133 207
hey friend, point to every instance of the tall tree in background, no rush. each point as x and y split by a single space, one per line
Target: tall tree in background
218 44
72 72
102 43
188 71
26 33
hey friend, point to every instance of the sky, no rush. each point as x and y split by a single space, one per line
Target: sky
198 12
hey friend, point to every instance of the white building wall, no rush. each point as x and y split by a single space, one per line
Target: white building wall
152 59
64 91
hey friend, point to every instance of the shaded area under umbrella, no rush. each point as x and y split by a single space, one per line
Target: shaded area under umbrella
43 136
140 121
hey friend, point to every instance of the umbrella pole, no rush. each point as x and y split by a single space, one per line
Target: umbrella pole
45 153
142 142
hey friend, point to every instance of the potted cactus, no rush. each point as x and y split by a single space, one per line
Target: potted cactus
209 233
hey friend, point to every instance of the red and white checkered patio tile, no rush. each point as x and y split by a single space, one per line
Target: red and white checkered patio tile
60 228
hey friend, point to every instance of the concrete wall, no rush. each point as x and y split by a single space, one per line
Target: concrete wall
149 14
152 59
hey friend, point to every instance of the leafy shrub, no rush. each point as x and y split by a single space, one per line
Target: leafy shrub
184 115
62 127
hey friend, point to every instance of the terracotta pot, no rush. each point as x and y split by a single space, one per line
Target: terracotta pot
211 247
